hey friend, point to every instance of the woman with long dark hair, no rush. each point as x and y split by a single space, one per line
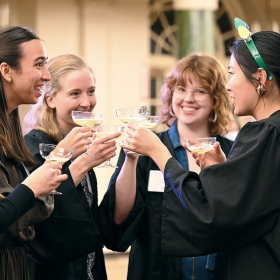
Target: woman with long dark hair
23 73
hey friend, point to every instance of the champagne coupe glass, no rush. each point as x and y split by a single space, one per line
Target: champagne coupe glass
133 115
53 153
87 119
104 130
200 145
149 122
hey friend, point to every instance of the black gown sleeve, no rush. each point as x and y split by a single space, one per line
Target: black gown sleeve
16 204
230 204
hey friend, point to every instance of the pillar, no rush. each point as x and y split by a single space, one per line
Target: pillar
196 26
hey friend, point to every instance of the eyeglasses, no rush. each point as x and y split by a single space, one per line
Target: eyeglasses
180 93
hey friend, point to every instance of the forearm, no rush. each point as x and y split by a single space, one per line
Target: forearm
79 167
125 190
17 203
160 155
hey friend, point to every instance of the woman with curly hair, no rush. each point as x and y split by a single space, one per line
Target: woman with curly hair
195 105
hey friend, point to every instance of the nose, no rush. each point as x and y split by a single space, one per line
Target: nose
85 102
189 96
227 86
46 74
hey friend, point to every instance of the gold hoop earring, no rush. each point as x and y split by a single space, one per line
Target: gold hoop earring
260 88
171 112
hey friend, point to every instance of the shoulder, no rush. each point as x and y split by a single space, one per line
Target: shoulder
264 126
34 133
37 135
273 120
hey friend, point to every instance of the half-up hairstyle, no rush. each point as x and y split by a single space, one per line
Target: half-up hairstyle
13 147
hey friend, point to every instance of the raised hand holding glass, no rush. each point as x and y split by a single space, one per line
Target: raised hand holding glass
55 154
104 130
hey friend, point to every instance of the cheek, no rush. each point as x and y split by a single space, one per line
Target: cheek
93 102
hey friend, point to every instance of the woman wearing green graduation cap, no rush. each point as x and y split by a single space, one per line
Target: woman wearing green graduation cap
233 205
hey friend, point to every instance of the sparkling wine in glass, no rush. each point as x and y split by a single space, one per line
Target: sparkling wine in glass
87 119
53 153
133 115
200 145
150 122
104 130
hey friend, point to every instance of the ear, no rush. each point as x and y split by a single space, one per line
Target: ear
6 71
50 101
261 75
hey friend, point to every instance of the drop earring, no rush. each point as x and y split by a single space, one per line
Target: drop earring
260 88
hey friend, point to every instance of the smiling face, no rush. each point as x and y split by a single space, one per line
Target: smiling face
27 82
77 93
189 111
242 92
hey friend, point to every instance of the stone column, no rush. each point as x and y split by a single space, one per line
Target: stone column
196 26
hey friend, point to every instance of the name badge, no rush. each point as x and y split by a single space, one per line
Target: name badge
156 181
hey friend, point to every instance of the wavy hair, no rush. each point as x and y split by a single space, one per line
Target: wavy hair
41 116
212 76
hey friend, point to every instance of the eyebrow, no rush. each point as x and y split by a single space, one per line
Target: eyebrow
41 57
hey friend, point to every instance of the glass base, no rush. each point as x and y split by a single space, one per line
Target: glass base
55 192
107 165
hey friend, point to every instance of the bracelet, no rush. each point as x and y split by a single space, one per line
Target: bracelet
89 155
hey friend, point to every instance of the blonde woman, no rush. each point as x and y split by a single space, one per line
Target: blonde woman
68 244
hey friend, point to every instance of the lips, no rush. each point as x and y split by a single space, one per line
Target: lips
188 109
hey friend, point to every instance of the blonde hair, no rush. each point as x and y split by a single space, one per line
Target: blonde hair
41 116
212 76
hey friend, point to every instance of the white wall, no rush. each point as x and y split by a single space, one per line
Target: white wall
113 37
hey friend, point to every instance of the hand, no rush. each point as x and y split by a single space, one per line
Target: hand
145 142
103 149
45 179
214 156
79 138
140 140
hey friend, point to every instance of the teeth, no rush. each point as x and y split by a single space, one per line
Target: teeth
39 88
188 109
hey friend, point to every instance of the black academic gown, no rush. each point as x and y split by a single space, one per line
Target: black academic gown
233 206
142 228
63 241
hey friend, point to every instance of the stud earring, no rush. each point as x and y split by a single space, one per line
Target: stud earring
9 80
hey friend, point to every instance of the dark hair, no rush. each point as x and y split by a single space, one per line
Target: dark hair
268 45
11 139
